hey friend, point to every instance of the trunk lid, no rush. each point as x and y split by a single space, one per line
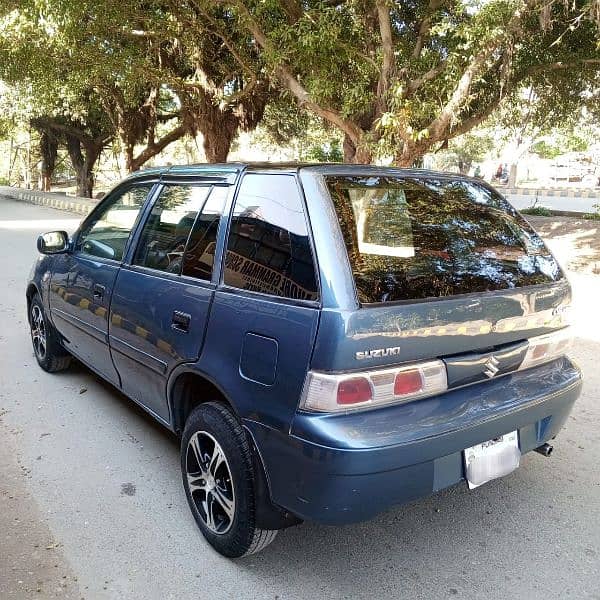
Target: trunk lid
390 334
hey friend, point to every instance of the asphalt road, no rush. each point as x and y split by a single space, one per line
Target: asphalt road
90 484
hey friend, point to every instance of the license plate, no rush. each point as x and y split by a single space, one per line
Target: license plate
492 459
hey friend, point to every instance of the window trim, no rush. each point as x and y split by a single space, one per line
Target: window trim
252 294
150 272
222 286
119 190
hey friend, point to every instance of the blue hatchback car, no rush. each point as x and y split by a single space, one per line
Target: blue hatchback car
327 340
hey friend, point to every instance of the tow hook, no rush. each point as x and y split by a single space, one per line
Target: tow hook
545 449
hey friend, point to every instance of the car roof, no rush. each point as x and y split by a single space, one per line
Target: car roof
229 171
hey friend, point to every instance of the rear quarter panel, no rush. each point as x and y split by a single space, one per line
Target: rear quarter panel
258 349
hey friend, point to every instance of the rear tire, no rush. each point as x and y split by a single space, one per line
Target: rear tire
48 350
218 478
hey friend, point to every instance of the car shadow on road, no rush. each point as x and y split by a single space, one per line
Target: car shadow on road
437 547
78 368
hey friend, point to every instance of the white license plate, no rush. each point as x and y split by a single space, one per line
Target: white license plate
492 459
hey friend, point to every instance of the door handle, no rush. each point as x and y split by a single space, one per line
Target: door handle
181 321
98 291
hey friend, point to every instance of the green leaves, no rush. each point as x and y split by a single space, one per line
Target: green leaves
452 63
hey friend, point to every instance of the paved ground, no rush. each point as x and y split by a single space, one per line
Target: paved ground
95 481
575 241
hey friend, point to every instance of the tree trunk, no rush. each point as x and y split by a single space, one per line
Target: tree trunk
49 152
464 166
84 164
77 160
349 150
130 165
354 155
218 134
512 176
406 160
410 154
152 147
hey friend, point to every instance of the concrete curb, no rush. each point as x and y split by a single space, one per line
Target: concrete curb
559 213
551 192
82 206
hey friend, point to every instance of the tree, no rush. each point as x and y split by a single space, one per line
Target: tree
217 73
150 66
49 142
301 135
79 62
84 139
568 142
401 79
465 150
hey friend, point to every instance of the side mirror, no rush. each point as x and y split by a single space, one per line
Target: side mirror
54 242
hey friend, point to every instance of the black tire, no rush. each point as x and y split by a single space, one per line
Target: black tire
48 350
232 481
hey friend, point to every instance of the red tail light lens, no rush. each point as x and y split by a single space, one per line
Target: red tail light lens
354 391
408 382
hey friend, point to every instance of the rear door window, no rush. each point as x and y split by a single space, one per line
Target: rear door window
166 231
199 257
268 249
417 238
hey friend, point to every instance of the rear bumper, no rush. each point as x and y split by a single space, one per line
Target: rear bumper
347 468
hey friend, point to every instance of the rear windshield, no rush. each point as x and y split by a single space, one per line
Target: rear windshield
415 238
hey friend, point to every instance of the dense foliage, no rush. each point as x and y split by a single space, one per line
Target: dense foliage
395 79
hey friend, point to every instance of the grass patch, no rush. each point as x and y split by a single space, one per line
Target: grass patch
595 216
537 211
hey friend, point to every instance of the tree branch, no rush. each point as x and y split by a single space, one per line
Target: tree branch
474 120
293 9
158 146
68 130
425 27
285 75
415 84
216 30
440 126
387 46
556 66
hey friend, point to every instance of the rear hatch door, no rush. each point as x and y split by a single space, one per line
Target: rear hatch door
443 268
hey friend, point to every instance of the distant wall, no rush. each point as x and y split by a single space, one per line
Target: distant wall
74 204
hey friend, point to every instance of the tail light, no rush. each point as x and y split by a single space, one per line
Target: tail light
356 390
545 348
408 382
325 392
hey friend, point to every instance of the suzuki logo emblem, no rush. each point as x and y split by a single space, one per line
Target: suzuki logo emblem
491 367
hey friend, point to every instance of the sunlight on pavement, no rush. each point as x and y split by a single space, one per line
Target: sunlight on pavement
41 225
586 317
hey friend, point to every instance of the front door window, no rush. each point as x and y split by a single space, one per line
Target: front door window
105 235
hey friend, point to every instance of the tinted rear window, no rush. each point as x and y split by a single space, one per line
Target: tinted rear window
416 238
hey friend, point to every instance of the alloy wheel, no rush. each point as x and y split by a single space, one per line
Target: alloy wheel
38 332
210 483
